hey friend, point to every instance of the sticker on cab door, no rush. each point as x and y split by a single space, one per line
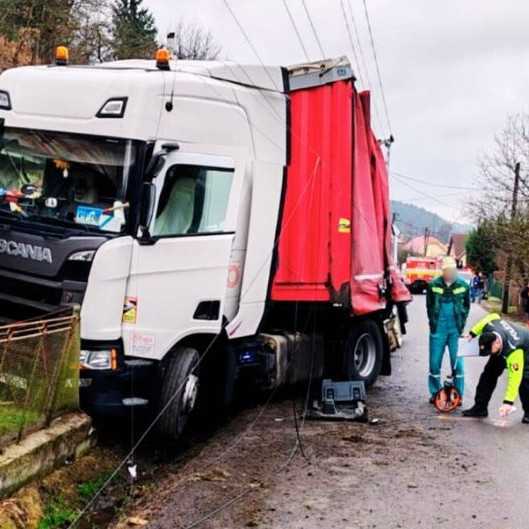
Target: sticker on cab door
130 310
142 344
344 226
234 275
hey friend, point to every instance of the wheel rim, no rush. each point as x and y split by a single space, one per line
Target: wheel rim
364 355
189 397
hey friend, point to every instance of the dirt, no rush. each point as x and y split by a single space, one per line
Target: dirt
245 474
408 467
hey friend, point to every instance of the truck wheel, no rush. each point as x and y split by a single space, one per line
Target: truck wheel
364 352
178 396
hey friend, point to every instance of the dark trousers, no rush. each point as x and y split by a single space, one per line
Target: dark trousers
489 378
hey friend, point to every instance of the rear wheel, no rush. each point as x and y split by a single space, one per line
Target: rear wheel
179 393
364 352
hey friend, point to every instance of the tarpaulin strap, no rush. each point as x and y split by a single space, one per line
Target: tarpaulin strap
365 277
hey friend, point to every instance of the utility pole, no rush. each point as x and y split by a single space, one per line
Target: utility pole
508 264
426 241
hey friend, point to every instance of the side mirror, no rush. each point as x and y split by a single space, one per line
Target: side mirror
148 201
155 165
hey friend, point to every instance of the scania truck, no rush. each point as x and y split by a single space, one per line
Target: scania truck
215 222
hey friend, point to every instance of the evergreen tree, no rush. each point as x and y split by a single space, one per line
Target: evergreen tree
133 30
481 248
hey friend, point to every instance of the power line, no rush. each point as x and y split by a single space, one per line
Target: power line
250 43
435 199
294 25
315 33
372 39
367 77
421 197
359 43
432 184
353 48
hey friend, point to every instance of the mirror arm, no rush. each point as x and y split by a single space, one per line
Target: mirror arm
146 239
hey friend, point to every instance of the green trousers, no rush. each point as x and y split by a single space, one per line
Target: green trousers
446 335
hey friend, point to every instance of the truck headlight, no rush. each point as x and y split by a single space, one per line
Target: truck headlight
5 100
100 360
85 256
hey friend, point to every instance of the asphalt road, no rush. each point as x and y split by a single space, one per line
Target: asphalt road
412 468
500 447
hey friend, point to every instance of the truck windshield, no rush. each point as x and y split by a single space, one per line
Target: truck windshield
64 178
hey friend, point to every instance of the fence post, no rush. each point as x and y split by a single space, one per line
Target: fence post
29 389
59 367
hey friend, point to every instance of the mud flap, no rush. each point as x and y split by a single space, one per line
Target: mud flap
386 357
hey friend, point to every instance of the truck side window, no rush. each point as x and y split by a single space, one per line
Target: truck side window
193 200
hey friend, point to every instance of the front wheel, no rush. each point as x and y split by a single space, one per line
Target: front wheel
179 392
363 354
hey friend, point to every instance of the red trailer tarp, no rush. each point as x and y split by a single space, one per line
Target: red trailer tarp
335 236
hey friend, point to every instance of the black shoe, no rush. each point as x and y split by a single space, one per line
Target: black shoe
525 419
476 411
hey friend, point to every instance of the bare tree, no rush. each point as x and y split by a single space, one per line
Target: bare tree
192 42
91 42
494 204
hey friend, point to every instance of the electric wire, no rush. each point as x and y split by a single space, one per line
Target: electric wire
250 43
298 34
313 27
351 41
434 184
379 75
432 197
215 338
359 44
364 78
158 416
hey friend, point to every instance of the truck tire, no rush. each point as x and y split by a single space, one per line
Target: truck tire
179 392
364 352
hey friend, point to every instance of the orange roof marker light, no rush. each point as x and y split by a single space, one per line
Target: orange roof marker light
163 56
62 55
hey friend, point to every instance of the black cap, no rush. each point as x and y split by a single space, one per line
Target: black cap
485 343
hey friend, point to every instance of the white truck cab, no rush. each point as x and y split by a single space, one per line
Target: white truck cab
151 194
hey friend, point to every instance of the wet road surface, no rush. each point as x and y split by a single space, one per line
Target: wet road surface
411 469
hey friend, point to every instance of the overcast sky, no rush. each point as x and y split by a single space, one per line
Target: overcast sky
452 71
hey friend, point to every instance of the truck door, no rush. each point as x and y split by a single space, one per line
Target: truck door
178 283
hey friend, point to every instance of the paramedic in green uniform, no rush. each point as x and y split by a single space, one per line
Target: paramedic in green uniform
447 304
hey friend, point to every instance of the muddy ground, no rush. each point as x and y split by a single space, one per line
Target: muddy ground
408 467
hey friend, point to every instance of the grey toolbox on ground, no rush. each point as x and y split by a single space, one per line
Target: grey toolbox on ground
343 401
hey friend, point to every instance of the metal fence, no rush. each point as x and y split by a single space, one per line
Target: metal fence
495 289
39 373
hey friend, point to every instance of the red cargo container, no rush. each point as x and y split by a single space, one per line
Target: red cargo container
335 239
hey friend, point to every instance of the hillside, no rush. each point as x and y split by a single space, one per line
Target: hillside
412 221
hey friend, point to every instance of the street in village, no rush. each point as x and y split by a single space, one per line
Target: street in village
409 467
206 209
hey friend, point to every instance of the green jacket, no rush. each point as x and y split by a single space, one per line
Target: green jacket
458 292
515 350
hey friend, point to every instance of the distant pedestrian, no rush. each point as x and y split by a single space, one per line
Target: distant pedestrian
474 285
476 288
485 293
448 305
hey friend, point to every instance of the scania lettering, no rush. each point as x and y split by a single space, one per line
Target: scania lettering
218 224
26 251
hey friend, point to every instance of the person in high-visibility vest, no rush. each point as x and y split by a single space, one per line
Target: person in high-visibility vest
507 346
448 305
